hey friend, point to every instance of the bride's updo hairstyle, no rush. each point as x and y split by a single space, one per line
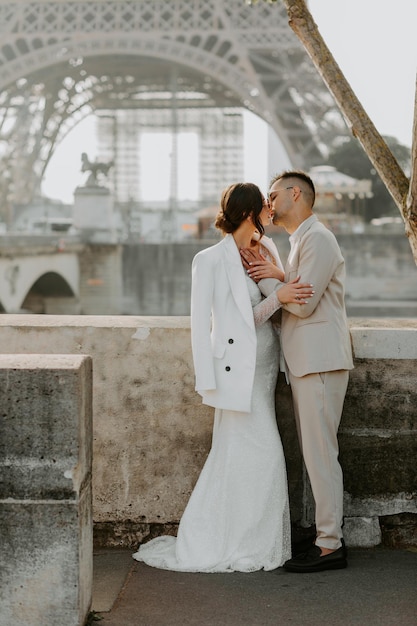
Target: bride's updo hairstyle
238 201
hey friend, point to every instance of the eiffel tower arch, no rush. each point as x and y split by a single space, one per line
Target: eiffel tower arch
61 61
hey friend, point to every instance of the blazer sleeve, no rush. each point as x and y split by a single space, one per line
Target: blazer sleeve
269 285
319 257
202 290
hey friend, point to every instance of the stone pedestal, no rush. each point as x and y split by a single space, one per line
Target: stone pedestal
45 489
93 212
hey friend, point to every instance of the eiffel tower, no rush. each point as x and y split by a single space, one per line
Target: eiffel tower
62 61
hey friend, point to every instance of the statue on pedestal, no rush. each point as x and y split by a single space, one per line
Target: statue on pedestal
93 213
94 169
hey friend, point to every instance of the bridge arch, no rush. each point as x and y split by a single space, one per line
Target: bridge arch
27 285
222 69
222 83
48 286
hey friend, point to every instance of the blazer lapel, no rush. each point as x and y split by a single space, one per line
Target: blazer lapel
236 276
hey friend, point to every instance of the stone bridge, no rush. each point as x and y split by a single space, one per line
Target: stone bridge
69 276
60 276
31 272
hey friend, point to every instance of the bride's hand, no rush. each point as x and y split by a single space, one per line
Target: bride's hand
295 292
249 257
264 269
258 267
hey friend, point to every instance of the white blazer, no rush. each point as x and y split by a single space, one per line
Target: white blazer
223 332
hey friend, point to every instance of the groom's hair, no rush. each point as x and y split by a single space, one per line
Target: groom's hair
298 175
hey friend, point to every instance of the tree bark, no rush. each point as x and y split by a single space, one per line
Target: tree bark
411 203
397 183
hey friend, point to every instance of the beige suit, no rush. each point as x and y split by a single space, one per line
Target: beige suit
316 346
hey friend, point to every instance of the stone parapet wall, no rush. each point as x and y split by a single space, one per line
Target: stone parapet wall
152 434
46 538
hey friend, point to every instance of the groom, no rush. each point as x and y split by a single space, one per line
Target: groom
317 351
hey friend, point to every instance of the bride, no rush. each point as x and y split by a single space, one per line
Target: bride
237 518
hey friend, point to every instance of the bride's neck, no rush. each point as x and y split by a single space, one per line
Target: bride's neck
243 236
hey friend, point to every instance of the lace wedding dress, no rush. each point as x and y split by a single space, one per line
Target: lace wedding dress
237 518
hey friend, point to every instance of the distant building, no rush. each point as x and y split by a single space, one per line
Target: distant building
219 147
40 217
217 159
340 198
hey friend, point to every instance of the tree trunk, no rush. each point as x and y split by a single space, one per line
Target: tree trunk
411 203
397 183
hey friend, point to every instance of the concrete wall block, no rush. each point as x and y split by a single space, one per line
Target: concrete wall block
377 343
399 531
380 505
46 497
45 425
381 395
378 464
362 532
100 281
46 553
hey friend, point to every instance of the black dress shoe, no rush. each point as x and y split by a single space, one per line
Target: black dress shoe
311 561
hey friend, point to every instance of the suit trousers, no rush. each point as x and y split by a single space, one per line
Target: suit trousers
318 403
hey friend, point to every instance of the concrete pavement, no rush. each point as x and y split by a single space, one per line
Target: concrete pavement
378 588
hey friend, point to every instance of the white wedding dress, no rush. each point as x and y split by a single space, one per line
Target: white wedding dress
237 518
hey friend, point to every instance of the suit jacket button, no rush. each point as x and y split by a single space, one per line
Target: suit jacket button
227 368
231 341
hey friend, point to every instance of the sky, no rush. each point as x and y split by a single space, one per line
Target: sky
374 43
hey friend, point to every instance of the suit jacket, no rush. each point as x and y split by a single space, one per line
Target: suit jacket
315 336
223 332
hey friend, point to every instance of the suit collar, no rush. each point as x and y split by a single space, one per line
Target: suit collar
296 238
303 227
